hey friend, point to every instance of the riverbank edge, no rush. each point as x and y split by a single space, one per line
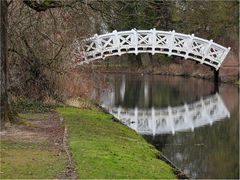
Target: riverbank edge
128 133
178 172
149 70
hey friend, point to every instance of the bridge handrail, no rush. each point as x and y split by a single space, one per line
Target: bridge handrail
153 41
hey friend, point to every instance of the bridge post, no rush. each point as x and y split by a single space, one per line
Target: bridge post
98 45
216 76
171 42
189 45
135 40
206 51
117 42
216 80
223 57
153 35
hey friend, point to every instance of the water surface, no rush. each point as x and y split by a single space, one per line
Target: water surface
192 122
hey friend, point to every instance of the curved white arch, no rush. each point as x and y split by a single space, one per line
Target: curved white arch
172 119
150 41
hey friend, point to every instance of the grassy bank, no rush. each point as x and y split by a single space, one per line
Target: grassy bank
102 148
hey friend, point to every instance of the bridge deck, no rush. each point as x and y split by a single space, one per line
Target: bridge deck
150 41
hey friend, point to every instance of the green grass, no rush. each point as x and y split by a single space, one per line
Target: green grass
21 160
102 148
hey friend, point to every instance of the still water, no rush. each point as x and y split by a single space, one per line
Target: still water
194 124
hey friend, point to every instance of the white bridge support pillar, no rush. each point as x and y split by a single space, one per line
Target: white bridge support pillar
135 41
224 56
117 42
153 40
171 42
188 45
98 45
206 51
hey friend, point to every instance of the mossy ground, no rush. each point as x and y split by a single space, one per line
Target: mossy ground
102 148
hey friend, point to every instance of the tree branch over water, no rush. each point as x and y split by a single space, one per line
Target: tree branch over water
50 4
45 5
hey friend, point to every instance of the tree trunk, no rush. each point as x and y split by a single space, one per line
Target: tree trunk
5 110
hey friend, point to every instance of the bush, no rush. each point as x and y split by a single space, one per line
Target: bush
27 105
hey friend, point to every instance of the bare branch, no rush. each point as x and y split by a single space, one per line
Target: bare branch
47 4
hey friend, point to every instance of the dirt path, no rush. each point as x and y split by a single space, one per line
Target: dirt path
38 132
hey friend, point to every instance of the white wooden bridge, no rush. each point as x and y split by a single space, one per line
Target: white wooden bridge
149 41
172 119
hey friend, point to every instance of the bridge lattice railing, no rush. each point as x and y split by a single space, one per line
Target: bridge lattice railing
151 41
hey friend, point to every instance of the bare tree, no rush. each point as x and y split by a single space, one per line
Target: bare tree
5 108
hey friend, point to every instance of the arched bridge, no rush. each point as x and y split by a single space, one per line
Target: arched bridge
172 119
150 41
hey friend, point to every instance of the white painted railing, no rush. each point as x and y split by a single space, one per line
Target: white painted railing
149 41
172 119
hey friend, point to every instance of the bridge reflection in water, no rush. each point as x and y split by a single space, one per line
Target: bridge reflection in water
158 107
168 120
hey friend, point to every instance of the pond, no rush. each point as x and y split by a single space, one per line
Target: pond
192 122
